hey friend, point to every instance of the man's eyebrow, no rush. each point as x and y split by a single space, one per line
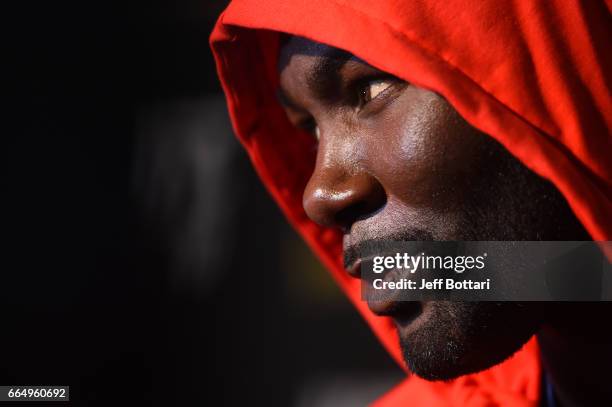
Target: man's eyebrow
324 79
285 100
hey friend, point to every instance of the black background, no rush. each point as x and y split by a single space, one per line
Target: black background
96 212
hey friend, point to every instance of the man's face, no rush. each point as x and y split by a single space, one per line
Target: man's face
397 162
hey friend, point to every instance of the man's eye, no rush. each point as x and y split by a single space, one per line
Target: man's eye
374 88
317 133
310 126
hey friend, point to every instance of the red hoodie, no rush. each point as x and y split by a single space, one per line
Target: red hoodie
535 75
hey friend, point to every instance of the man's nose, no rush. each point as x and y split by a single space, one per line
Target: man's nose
336 196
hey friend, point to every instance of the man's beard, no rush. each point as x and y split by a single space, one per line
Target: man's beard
457 338
465 337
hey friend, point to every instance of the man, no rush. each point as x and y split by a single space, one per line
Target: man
469 121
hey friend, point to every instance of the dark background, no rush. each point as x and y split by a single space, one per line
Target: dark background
142 261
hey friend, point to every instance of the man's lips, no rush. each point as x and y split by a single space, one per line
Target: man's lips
378 307
354 270
388 304
400 310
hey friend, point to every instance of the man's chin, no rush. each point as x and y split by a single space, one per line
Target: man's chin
452 339
433 366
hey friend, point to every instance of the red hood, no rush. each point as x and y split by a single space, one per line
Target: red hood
533 75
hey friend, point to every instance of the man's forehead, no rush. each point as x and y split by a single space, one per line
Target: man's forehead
318 68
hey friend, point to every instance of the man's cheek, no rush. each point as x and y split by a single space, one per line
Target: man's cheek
416 169
435 155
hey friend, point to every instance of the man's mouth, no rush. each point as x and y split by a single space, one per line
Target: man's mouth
389 303
354 269
403 312
406 314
